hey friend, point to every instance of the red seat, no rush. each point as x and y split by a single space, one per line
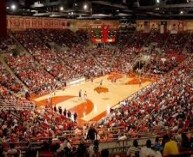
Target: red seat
46 154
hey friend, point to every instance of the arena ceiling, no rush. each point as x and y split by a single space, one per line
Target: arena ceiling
106 9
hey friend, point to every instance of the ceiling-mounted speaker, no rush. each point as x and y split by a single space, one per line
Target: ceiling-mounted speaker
28 3
136 4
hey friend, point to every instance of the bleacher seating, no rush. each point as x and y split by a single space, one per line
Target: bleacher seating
164 106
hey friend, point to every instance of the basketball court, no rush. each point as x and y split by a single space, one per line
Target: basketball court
97 96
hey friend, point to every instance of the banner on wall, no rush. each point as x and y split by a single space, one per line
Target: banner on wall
163 27
174 29
146 27
181 26
154 25
27 23
18 22
173 26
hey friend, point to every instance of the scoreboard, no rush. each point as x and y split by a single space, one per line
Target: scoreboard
101 33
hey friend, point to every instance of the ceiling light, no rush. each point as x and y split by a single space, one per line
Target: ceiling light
157 1
85 7
13 7
38 4
136 4
181 12
61 8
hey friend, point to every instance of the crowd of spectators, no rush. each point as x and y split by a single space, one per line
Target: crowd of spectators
122 38
61 66
69 64
124 60
164 52
9 100
188 47
176 42
166 105
9 81
65 37
31 124
103 58
82 36
157 38
32 75
6 44
138 39
161 64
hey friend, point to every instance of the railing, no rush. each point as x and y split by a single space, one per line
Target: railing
17 107
75 81
115 148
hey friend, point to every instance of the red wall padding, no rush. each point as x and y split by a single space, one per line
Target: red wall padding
3 21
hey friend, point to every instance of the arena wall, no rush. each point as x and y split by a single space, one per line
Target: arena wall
21 23
170 25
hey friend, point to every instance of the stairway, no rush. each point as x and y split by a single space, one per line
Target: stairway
25 50
113 58
166 41
187 42
147 40
57 47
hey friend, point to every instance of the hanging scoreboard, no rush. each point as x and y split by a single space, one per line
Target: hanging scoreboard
101 33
